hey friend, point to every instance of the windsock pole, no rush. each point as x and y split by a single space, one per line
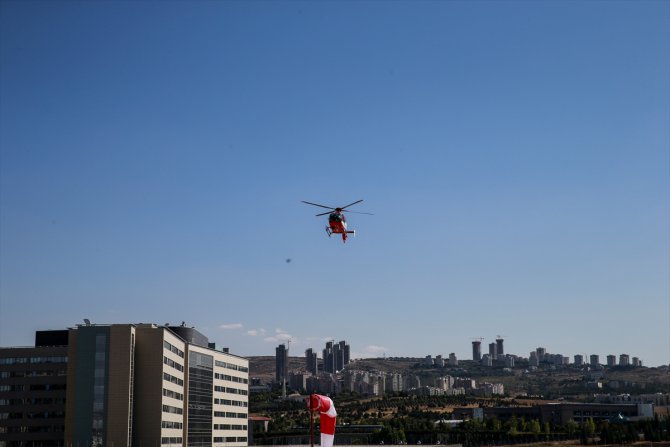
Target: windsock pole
311 427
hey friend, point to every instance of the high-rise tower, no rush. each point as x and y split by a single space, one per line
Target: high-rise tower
311 361
476 350
281 363
329 358
499 346
493 352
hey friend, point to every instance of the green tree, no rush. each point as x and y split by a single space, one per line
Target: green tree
588 427
571 427
389 435
534 426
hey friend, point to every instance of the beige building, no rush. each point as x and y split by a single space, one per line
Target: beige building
153 385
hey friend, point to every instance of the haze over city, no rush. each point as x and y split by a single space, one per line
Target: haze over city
516 157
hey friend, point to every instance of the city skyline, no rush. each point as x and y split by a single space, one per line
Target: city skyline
604 358
515 155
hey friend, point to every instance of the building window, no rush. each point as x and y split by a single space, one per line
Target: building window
172 424
173 410
171 363
173 348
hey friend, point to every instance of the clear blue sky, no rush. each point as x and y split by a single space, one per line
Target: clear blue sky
516 156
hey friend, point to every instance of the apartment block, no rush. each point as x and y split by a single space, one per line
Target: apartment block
32 391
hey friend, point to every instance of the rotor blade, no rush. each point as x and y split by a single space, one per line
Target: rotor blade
316 204
357 201
359 212
345 211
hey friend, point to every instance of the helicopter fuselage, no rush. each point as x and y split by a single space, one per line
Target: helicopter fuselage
339 227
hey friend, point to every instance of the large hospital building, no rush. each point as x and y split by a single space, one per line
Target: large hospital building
122 385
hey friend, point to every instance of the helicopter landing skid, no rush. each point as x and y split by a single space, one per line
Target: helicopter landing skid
330 232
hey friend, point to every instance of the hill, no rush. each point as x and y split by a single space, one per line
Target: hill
546 380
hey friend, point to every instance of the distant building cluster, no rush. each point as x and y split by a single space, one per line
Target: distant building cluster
317 374
451 386
496 356
329 376
121 385
540 355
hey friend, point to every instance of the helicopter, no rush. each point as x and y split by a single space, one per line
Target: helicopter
337 223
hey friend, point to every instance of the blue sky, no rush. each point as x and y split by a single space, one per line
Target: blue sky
516 156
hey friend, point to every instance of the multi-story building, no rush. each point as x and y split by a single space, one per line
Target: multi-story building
281 364
32 391
559 360
499 347
624 360
490 389
411 381
611 360
594 360
99 408
324 383
311 361
579 360
444 382
342 353
476 350
336 356
465 382
329 358
453 361
149 385
297 380
493 351
394 382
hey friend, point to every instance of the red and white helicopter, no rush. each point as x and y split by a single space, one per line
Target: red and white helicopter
337 223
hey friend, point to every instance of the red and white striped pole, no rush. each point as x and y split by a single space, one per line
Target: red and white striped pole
328 416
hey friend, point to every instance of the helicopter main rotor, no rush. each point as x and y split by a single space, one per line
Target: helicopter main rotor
336 208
